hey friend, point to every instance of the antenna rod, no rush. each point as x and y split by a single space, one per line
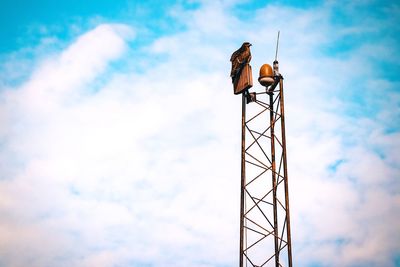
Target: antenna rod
277 42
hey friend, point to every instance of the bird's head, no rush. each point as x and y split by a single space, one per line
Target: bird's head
246 44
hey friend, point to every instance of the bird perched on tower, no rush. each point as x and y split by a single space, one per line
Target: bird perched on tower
239 58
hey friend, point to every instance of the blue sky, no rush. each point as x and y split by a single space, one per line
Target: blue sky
116 117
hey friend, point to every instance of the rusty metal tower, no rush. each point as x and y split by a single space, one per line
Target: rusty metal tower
265 237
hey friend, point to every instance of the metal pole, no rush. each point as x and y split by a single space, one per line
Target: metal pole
289 242
272 124
243 179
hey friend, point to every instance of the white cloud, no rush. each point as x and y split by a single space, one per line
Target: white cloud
144 168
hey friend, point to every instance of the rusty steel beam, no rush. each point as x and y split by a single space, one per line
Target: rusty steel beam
243 179
272 130
285 172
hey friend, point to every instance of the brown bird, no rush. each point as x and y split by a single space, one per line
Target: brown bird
239 58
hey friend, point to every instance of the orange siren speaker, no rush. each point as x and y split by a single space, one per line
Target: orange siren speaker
266 75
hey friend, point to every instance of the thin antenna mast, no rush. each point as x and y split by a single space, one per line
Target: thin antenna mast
275 63
277 44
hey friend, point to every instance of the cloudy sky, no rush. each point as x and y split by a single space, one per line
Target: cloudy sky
120 134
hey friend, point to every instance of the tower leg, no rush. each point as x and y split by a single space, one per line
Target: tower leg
243 180
274 185
285 173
